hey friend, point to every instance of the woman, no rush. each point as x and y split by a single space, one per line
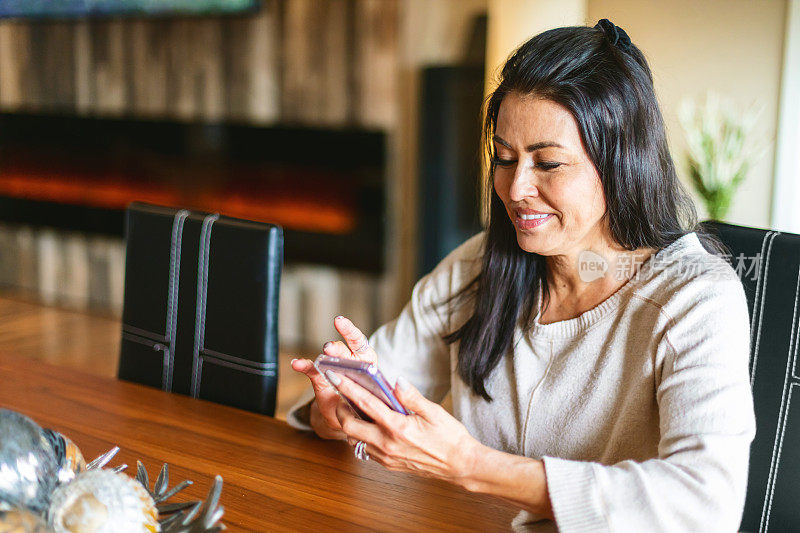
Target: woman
595 352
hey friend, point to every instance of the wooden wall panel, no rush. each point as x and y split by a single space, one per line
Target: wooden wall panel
182 70
376 62
300 79
12 57
110 55
83 72
50 63
314 62
251 64
195 85
14 64
149 65
335 65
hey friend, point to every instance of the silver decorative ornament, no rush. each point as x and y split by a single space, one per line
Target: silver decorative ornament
45 478
202 517
183 517
18 520
68 456
102 501
28 464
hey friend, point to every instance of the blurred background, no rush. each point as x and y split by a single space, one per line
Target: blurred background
354 124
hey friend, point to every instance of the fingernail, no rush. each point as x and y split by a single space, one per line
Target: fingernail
324 346
403 384
333 377
292 361
339 316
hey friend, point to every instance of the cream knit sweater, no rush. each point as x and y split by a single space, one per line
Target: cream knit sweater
640 408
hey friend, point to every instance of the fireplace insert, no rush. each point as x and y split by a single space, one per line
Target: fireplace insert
325 187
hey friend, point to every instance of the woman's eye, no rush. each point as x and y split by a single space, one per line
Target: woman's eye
548 165
503 162
544 165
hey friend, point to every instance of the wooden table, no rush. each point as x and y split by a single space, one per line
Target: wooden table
275 478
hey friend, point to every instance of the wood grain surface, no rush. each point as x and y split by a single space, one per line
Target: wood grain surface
275 478
90 343
299 61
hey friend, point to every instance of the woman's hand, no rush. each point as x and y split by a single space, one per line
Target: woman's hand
323 411
429 442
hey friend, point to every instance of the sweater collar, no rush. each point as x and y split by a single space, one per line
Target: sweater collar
584 321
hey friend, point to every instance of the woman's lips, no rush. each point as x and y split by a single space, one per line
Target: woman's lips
524 221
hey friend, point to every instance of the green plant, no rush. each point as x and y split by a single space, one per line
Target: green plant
720 149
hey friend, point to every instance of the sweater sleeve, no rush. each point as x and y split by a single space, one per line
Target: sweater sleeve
697 482
411 345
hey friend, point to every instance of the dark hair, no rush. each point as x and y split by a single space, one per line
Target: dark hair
608 88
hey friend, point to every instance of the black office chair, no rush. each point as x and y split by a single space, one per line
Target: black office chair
772 287
200 313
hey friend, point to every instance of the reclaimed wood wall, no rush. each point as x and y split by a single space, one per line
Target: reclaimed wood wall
316 62
310 62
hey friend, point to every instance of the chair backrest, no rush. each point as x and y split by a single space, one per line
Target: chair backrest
768 263
200 313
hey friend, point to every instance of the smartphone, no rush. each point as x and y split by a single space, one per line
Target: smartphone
365 374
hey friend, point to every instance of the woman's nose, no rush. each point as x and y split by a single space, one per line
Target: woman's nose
523 185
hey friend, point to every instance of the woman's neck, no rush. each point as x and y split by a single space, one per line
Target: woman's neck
581 280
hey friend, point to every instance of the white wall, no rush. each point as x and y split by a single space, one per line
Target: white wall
512 22
733 47
786 195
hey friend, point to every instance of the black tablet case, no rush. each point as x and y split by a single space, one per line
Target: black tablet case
200 314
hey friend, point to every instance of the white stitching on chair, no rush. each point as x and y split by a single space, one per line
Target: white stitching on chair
240 368
763 283
758 285
172 298
206 352
780 449
200 313
127 328
782 418
795 336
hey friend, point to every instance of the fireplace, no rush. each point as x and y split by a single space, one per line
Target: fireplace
326 187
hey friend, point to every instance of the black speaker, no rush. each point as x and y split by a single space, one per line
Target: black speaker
450 129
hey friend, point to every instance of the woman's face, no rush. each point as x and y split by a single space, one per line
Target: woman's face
549 186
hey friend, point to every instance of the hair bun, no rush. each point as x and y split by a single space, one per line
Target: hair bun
614 34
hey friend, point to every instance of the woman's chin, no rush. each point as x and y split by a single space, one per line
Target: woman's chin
535 244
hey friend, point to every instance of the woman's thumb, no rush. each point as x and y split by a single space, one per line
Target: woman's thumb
410 397
306 366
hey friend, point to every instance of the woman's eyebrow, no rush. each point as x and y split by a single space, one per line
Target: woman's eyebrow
530 147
